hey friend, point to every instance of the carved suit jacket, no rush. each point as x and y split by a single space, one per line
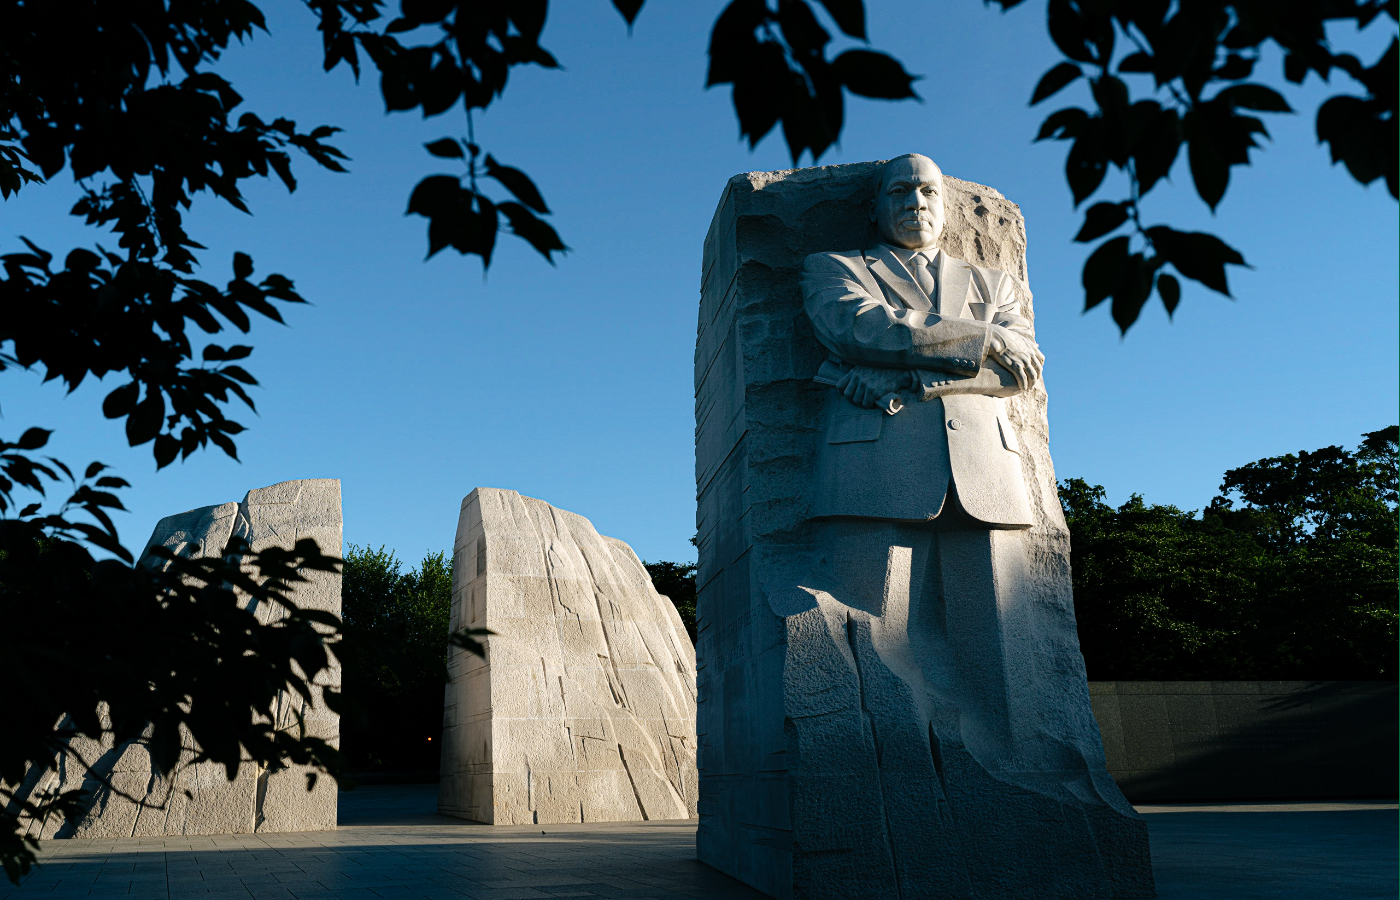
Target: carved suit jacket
953 432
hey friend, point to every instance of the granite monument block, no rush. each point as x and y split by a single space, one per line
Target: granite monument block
198 798
583 709
892 701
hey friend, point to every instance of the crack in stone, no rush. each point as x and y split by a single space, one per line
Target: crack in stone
879 754
632 781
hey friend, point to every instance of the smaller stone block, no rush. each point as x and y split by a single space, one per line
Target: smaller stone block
256 800
584 708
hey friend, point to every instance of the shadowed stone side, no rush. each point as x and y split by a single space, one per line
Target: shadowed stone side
257 800
584 708
921 728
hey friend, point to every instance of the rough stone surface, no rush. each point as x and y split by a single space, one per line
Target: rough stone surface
257 800
584 708
887 708
1248 740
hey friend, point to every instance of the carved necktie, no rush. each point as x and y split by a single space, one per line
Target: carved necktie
923 276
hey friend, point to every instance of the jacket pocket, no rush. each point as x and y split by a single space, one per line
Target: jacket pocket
850 427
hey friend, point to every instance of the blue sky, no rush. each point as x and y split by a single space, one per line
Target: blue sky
415 381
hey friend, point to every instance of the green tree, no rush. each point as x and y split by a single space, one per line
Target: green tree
394 659
676 581
1159 594
1327 519
1297 582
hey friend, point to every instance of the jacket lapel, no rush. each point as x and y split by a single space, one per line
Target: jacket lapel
954 278
891 272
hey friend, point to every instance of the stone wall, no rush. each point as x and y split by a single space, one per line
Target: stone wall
1248 740
583 709
257 800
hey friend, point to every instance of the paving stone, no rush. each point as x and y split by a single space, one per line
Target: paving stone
1226 852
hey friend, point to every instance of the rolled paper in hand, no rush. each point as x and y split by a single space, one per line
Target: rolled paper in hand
993 380
891 403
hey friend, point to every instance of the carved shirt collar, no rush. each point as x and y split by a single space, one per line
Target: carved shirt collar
905 255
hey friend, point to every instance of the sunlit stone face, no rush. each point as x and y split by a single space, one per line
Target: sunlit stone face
909 208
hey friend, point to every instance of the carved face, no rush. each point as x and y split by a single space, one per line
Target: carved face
909 208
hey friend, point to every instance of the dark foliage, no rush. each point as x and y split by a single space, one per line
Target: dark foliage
1289 574
394 659
1197 58
676 581
774 55
776 59
468 60
119 93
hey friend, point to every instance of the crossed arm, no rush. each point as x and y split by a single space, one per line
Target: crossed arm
885 344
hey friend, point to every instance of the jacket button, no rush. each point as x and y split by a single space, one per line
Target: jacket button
955 424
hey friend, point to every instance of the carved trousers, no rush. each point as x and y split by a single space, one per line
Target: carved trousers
927 748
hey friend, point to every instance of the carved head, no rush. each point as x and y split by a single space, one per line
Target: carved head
908 210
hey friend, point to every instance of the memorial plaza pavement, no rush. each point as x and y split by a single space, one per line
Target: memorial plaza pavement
392 844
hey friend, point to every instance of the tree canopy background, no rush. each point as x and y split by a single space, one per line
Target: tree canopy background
676 581
394 659
1289 574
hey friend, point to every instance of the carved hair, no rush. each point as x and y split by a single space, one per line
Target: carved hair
887 163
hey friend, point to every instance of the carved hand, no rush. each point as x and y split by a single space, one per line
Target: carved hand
865 386
1019 354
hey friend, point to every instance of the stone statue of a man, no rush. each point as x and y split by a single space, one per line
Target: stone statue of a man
937 730
923 349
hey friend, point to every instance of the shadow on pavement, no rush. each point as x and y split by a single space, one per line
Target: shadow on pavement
393 804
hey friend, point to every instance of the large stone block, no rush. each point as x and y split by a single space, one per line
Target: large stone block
583 709
199 798
888 707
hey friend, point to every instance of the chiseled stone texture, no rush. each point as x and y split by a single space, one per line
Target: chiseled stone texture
884 751
584 708
257 800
